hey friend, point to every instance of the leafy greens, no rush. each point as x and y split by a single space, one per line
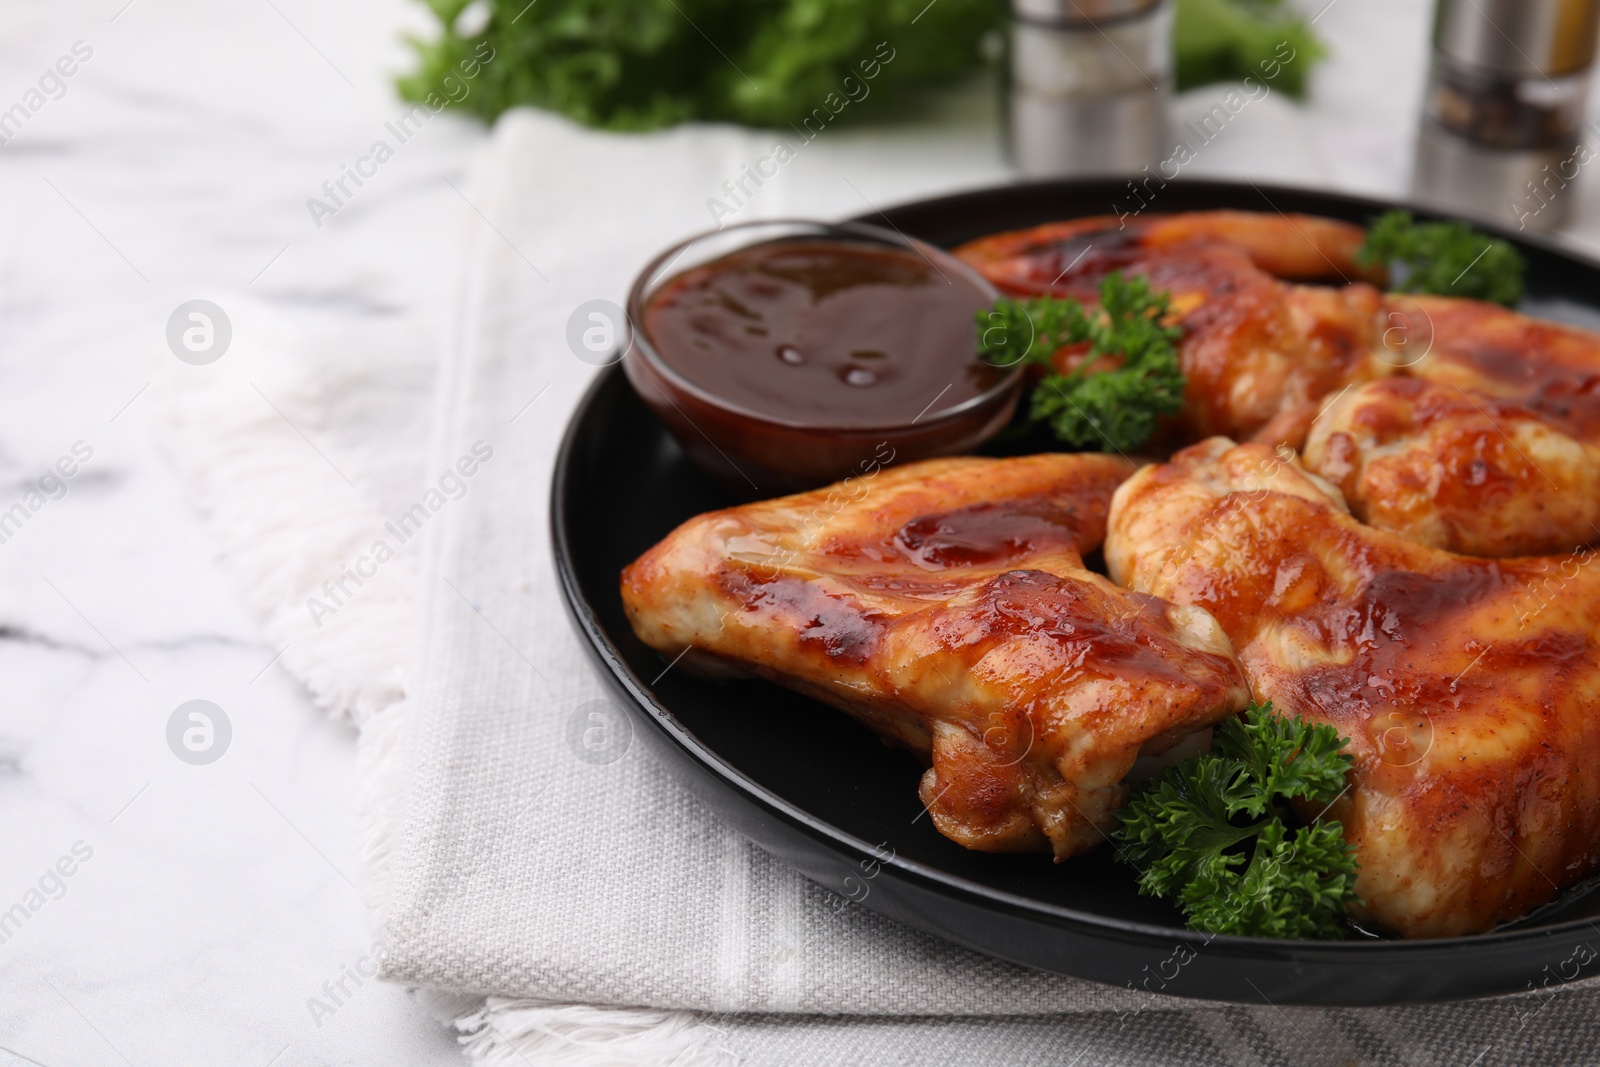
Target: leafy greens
1229 40
1127 379
641 64
1443 258
1215 833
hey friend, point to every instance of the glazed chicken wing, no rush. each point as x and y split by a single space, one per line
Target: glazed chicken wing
1296 247
1491 444
1549 368
946 605
1257 352
1466 687
1458 470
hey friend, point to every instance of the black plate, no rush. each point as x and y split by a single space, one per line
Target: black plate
808 784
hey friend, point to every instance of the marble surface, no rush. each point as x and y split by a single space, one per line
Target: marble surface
216 900
215 906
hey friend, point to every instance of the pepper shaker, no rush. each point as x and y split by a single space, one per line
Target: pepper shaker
1501 132
1087 83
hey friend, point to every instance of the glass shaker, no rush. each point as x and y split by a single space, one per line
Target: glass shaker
1087 83
1502 124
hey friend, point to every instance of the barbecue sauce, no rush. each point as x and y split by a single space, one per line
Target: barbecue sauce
810 332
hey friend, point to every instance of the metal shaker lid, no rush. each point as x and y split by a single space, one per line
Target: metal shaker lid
1518 38
1081 12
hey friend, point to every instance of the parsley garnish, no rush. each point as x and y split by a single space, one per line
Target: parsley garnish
1111 408
1443 258
1215 831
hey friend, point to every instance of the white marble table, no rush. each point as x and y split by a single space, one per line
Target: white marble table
215 904
216 900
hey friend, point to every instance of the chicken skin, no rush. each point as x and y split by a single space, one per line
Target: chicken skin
946 605
1465 686
1490 446
1549 368
1458 470
1295 247
1257 352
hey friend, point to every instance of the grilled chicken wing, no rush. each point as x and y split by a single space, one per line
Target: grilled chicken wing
1297 247
1458 470
1549 368
1467 687
1492 448
1257 352
946 605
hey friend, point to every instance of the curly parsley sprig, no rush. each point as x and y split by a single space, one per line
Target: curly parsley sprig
1443 258
1111 408
1215 831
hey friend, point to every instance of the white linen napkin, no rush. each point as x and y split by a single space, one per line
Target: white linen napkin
592 912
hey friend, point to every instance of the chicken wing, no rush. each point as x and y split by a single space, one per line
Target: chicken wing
1257 352
1547 367
946 605
1296 247
1491 447
1457 470
1466 686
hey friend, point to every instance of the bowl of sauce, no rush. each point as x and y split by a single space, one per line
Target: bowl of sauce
786 355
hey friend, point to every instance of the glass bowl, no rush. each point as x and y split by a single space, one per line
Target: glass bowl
764 453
